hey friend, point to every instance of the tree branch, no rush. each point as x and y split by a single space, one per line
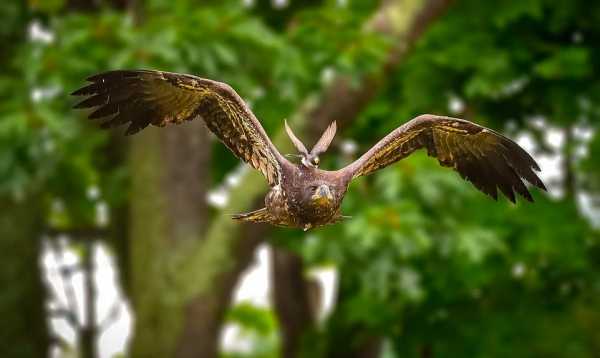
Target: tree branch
291 296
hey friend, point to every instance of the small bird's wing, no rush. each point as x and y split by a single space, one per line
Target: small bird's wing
325 140
297 142
485 158
143 97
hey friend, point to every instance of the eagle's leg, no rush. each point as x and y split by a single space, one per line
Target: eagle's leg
336 219
257 216
339 218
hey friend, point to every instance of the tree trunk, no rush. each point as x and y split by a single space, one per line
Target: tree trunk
168 212
204 312
89 332
569 182
346 338
22 300
181 276
292 301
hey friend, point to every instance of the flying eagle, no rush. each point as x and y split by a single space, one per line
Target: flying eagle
302 195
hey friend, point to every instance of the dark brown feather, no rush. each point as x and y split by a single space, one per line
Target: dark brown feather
143 97
485 158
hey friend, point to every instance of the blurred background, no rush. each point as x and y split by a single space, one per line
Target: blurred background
123 247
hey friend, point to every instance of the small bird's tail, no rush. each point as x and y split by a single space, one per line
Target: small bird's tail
257 216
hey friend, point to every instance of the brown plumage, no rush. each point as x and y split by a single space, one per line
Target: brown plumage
302 195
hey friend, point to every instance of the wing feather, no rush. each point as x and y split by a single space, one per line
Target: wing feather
142 97
297 142
487 159
325 140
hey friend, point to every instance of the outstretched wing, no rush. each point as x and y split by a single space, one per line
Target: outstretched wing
325 140
485 158
297 142
143 97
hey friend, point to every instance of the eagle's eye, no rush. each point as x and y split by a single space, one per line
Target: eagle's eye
315 161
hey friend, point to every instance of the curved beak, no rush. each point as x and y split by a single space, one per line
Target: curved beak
322 195
324 191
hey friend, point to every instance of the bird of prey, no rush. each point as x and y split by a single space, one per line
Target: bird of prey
301 195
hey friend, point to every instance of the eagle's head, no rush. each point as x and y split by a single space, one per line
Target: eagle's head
320 195
311 159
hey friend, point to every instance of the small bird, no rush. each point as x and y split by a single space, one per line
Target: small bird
301 195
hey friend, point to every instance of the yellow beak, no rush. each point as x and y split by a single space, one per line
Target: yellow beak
322 195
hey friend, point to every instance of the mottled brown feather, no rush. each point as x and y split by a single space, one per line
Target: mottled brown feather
487 159
144 97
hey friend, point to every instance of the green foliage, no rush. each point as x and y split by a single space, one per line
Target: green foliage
573 62
259 326
253 318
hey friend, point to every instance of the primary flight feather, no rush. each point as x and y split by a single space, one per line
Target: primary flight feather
302 195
